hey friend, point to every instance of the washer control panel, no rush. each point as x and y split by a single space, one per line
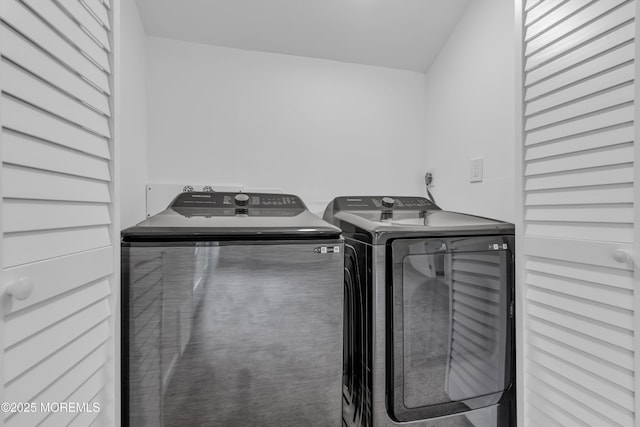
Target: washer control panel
373 203
229 204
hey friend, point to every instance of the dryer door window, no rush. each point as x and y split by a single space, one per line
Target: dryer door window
450 322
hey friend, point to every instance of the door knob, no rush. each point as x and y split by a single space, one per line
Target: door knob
20 289
622 256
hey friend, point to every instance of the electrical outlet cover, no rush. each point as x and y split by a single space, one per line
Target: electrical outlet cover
475 173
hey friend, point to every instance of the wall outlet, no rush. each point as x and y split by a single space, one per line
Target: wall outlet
475 172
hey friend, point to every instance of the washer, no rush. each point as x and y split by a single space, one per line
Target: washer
429 315
232 314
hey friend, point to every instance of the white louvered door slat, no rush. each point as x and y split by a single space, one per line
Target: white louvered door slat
65 275
19 17
551 47
94 363
582 213
593 194
616 358
28 353
600 368
45 374
602 138
24 118
24 182
617 38
99 11
538 9
31 90
22 248
96 31
32 323
56 17
19 50
579 213
598 119
621 54
30 152
606 99
55 140
612 78
592 409
31 215
614 155
595 15
552 16
581 178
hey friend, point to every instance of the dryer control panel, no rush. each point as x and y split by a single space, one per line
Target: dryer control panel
376 203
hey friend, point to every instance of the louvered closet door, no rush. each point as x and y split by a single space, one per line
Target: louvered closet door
56 210
578 212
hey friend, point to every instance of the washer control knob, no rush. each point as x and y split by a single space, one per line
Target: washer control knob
242 199
388 202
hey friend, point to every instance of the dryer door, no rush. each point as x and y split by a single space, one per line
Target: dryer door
450 317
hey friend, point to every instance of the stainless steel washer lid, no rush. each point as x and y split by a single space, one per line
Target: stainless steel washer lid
225 216
376 219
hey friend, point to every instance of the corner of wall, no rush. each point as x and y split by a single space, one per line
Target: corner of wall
469 112
132 116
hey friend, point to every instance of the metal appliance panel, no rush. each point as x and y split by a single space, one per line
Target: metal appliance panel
451 334
366 218
358 335
490 416
421 372
258 343
232 216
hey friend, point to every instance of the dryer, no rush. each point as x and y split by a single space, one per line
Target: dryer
429 315
232 314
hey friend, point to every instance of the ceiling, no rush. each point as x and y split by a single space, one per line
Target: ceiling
405 34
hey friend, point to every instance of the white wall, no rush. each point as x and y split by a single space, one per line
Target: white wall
312 127
469 112
132 116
